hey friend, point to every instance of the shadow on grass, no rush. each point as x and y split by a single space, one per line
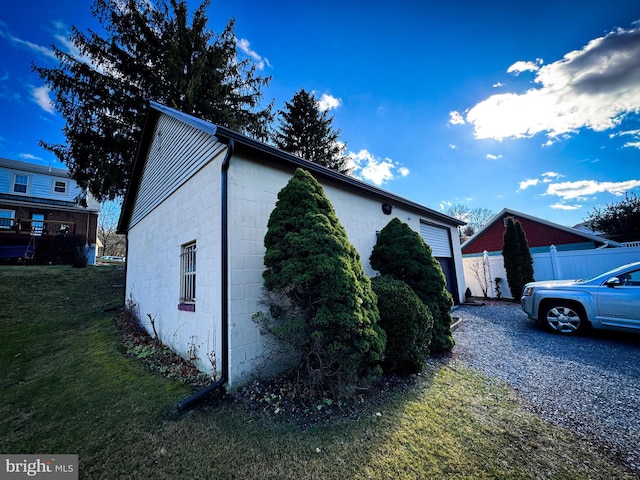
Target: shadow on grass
69 389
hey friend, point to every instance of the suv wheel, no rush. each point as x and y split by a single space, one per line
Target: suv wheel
565 319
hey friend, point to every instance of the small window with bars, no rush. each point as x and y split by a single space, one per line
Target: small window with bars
188 273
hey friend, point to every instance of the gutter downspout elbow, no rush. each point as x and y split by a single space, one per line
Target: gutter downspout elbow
224 220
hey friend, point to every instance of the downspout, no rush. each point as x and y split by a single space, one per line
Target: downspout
200 395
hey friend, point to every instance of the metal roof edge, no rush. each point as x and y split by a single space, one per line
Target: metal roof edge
244 142
34 168
256 145
144 144
195 122
485 227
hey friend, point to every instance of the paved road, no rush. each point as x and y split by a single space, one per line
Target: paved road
589 384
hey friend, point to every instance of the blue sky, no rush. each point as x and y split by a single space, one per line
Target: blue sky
494 104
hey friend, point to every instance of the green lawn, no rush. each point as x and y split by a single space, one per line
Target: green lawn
67 388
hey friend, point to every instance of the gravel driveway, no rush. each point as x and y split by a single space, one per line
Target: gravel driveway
589 384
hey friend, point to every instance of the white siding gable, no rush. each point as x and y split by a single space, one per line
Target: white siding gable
177 152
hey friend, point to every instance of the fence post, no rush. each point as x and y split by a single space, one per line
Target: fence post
485 259
555 264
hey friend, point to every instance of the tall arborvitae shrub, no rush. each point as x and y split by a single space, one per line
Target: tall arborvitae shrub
407 322
517 258
401 253
319 300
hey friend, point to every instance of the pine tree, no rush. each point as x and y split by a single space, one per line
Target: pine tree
307 131
319 299
517 258
150 52
401 252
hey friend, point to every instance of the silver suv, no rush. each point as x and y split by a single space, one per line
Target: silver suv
609 301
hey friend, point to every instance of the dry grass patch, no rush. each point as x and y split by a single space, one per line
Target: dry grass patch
67 387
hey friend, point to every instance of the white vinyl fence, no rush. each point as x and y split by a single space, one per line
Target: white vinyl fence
480 272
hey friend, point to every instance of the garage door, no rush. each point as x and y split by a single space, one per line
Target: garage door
437 238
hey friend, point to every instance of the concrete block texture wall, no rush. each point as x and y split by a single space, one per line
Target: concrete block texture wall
191 213
253 190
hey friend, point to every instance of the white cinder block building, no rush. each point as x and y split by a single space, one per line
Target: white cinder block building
195 215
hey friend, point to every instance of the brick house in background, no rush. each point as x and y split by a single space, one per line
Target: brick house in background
38 203
541 234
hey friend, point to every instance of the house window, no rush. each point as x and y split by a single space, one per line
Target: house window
188 276
505 220
20 183
59 186
6 219
37 224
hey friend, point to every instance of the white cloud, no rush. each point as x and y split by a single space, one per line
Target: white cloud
490 156
563 206
595 87
244 46
18 42
635 143
61 36
28 156
453 147
455 118
550 176
585 188
41 97
521 66
376 170
635 133
328 102
498 85
531 182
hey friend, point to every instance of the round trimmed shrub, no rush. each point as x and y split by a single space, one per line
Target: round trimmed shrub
407 322
401 252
